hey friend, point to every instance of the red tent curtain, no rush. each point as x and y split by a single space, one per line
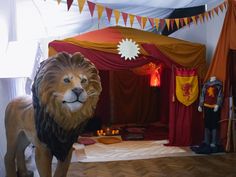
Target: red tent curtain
134 101
185 122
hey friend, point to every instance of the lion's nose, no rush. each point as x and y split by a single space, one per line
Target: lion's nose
77 91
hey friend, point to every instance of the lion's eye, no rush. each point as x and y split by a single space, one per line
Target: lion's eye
83 81
67 80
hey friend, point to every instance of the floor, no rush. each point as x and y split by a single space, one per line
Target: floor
219 165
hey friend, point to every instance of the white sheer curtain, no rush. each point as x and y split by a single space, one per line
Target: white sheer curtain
9 89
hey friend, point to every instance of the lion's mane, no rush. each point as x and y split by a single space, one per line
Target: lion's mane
57 126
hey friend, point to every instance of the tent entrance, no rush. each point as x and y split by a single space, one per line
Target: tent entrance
128 99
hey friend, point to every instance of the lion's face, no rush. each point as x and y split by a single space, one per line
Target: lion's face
73 91
68 87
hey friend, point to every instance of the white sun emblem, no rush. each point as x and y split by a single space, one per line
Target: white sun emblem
128 49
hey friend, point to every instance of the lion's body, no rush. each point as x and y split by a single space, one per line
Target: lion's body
65 92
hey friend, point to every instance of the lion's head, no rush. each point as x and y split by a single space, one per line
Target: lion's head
68 88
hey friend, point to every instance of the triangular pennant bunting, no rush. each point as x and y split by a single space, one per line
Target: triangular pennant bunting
225 4
209 14
109 13
156 20
189 21
162 23
151 21
201 18
177 22
117 15
100 9
139 20
131 18
167 23
186 21
221 7
181 22
216 10
125 17
172 23
194 19
91 7
144 21
81 5
206 15
69 3
212 13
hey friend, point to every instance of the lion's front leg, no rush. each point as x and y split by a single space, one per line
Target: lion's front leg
43 159
62 167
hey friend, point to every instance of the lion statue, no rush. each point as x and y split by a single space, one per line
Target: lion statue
65 91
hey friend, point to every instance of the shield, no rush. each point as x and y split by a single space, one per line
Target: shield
186 86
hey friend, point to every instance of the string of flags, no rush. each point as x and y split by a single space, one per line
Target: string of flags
142 20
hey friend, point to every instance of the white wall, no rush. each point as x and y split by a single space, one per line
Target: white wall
214 27
7 32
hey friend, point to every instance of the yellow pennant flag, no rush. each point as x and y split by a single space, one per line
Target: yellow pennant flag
168 23
212 13
143 22
156 21
58 1
177 22
186 21
131 19
81 5
201 18
117 15
100 9
206 15
194 19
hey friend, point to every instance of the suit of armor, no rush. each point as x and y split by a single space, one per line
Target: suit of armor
210 101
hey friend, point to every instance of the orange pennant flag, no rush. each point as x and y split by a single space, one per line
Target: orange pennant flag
100 9
81 5
201 18
194 19
177 22
131 18
58 1
156 20
167 23
117 15
144 21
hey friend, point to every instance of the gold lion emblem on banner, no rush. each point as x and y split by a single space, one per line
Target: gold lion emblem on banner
187 89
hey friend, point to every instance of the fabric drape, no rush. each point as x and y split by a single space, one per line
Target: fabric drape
134 101
219 66
186 124
186 54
